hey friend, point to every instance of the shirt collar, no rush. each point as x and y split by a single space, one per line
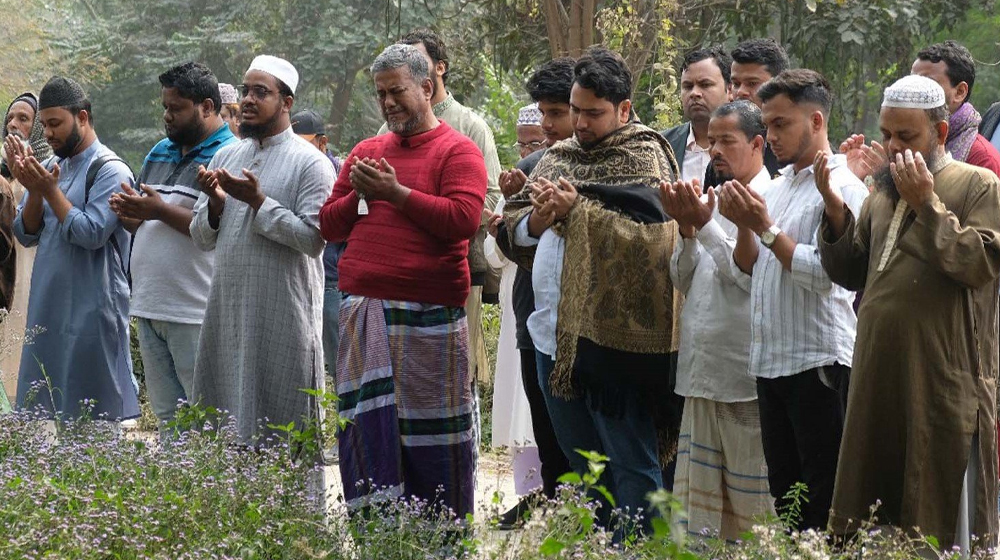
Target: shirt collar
83 156
761 180
443 106
279 138
692 144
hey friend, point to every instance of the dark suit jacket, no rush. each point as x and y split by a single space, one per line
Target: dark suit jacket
990 120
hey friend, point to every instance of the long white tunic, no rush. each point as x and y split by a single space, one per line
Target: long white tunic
261 340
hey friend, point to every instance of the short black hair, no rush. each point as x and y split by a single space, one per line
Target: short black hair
604 72
766 52
434 46
721 57
958 59
283 88
193 81
801 86
552 82
83 105
749 115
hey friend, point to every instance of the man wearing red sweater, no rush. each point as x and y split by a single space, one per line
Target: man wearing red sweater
407 204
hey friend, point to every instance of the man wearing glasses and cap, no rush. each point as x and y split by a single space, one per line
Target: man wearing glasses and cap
261 344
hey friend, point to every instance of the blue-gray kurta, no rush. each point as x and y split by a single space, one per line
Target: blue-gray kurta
261 340
79 298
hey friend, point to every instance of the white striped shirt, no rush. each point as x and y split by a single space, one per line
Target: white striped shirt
801 320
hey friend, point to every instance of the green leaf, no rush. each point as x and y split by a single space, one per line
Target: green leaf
551 547
570 478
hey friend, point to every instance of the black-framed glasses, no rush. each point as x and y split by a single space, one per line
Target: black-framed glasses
532 145
257 92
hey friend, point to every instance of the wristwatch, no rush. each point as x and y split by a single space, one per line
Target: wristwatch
770 236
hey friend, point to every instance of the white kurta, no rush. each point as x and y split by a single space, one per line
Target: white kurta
261 340
511 415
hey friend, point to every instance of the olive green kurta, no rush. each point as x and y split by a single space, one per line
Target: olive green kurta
924 376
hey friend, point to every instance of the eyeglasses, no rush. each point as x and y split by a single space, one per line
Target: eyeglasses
257 92
533 145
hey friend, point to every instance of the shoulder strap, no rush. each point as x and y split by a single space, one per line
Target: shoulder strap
94 169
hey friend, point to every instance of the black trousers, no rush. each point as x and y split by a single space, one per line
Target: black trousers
802 423
554 463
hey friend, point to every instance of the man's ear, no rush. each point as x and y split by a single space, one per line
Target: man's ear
83 117
962 91
207 108
428 86
287 102
625 111
942 131
818 119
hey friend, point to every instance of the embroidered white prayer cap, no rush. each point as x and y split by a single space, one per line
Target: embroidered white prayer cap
529 115
277 67
228 94
914 92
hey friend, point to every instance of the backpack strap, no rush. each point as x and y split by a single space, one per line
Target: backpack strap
92 171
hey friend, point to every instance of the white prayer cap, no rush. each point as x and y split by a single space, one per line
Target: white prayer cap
529 116
228 94
277 67
914 92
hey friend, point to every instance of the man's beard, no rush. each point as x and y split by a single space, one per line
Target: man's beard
884 182
408 126
188 136
804 143
722 176
260 131
69 145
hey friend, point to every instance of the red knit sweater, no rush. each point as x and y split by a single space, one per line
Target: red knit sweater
983 154
416 254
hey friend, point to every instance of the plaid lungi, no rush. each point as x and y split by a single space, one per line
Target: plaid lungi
404 387
721 477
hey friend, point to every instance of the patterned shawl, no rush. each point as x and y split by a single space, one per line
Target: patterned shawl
963 126
616 291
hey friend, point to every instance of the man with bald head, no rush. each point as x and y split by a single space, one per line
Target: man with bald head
260 343
919 436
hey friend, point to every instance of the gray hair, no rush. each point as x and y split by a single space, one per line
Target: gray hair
398 55
749 115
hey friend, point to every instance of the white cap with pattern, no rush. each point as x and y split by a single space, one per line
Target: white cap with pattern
914 92
529 116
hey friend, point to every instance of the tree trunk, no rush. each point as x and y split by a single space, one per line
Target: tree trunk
342 90
556 22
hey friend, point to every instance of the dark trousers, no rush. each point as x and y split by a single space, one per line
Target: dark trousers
554 463
802 423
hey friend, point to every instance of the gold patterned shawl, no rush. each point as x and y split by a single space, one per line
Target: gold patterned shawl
616 288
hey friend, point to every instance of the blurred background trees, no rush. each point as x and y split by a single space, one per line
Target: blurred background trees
118 47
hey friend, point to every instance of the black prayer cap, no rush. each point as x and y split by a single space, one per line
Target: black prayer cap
61 92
